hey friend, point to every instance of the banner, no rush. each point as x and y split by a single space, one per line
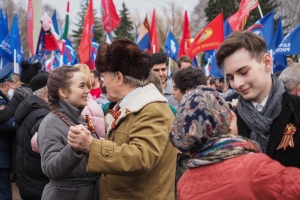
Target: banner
110 18
153 34
209 38
185 40
238 20
143 38
87 35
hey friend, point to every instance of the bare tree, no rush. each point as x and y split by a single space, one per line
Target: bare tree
290 9
137 21
198 17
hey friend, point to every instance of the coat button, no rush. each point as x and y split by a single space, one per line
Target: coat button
106 154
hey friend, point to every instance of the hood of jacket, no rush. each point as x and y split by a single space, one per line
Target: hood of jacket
29 104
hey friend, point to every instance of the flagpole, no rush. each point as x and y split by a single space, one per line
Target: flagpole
169 67
1 63
260 11
15 61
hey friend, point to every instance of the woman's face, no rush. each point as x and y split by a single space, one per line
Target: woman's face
78 91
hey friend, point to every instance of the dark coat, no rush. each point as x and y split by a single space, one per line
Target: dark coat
28 116
7 130
290 113
20 94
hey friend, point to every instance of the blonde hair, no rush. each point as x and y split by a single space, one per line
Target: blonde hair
87 72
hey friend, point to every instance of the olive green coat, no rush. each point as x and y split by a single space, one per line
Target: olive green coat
138 160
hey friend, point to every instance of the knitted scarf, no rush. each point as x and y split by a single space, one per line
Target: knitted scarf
260 123
221 148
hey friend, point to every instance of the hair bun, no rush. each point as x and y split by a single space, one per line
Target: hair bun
25 64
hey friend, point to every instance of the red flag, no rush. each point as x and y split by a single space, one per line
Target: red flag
238 20
85 46
185 41
110 17
153 34
30 27
209 38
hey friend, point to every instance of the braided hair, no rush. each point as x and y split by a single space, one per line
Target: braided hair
61 77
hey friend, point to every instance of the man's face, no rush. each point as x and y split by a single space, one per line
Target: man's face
8 85
162 71
250 78
177 93
110 83
185 65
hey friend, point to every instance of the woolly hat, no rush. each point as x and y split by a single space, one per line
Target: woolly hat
39 81
124 56
202 114
29 70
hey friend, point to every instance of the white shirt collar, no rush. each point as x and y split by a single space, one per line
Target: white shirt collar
260 106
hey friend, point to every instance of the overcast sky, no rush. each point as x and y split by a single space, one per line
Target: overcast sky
142 6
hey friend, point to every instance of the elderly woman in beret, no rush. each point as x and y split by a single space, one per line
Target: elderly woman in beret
224 165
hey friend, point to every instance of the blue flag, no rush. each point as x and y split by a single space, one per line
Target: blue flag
40 50
171 47
69 54
264 28
279 61
227 28
15 40
290 44
212 68
3 27
5 49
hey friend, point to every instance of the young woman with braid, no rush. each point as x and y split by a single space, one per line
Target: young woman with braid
67 94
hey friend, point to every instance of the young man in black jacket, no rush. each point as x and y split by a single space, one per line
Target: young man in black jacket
266 112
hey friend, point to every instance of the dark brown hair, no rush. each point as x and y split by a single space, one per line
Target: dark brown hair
188 78
183 59
61 77
254 44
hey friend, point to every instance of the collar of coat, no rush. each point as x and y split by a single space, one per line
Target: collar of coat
146 95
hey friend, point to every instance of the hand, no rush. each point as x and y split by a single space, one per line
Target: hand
80 139
234 103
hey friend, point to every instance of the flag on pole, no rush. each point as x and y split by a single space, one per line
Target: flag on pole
143 39
69 54
95 46
64 29
290 44
15 41
87 35
30 27
185 40
238 20
264 28
279 61
171 47
110 17
40 50
209 38
153 34
55 26
51 37
5 49
227 28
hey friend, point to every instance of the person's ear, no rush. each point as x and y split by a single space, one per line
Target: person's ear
298 90
120 78
62 92
187 90
268 62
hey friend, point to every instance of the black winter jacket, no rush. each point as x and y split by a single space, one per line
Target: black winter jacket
28 116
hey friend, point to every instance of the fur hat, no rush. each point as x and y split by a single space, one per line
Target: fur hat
29 70
202 114
124 56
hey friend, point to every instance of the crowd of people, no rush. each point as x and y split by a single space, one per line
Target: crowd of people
128 131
